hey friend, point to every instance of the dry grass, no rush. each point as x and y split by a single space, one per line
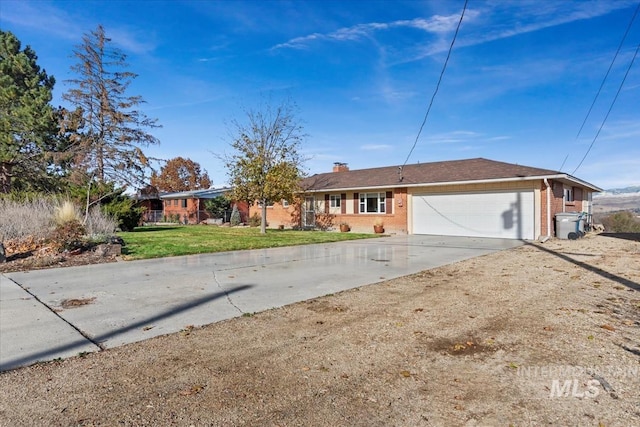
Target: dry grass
65 212
98 225
19 220
35 219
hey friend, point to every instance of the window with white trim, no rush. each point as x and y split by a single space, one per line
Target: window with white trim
285 203
334 201
568 194
372 202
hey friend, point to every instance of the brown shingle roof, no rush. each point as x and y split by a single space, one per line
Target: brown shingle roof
423 173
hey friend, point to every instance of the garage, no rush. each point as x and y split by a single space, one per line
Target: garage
508 214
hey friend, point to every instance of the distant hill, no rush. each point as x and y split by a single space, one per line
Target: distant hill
633 190
617 199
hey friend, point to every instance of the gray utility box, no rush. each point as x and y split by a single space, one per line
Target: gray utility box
569 225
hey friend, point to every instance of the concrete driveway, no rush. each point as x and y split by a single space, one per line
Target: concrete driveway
58 313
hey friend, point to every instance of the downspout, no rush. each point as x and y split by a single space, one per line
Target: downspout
548 236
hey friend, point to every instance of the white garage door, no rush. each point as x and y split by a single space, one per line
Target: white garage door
498 214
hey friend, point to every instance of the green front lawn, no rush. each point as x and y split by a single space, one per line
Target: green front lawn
163 241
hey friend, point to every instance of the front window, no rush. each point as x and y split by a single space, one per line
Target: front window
334 201
372 202
184 203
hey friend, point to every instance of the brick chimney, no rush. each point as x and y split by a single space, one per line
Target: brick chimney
340 167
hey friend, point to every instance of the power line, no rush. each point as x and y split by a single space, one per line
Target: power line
609 70
444 67
624 37
610 108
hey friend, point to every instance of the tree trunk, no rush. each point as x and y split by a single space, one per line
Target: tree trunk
5 177
263 222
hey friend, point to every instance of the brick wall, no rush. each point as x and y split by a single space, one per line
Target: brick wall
394 219
278 214
397 216
190 212
558 205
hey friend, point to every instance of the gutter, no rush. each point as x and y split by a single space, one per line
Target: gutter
406 184
548 236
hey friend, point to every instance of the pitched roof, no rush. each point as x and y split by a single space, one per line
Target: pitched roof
447 172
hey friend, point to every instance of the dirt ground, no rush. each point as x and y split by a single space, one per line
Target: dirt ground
545 334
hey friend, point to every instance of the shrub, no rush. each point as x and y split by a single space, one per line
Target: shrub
235 216
30 221
124 212
255 220
324 221
20 219
99 226
621 222
67 235
217 206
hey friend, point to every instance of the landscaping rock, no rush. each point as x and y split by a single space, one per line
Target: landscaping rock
108 250
116 240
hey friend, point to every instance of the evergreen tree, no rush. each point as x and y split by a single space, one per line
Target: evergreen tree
28 131
235 216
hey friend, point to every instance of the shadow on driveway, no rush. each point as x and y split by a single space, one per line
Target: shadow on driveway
47 354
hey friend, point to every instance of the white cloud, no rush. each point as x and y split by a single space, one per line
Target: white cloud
56 22
435 25
452 137
41 18
621 130
478 26
375 147
463 140
615 171
528 17
130 41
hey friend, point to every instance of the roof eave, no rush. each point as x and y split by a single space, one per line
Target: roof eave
466 182
196 194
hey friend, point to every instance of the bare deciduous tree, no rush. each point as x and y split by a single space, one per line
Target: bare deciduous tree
108 138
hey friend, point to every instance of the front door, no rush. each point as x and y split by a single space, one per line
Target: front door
309 213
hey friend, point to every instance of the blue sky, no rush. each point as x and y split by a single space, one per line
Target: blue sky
518 85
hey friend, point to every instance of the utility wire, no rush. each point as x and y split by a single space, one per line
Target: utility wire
609 70
624 37
444 67
610 108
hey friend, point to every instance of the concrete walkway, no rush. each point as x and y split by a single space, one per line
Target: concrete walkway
126 302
